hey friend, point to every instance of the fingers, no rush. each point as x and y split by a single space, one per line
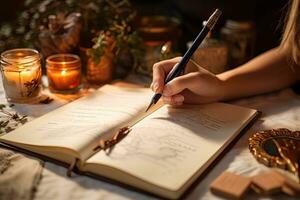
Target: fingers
175 100
202 86
160 70
178 84
192 98
187 97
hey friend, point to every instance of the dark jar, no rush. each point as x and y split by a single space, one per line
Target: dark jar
240 38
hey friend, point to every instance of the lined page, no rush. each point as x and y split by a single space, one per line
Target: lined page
76 124
169 146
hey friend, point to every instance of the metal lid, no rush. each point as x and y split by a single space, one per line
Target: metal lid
239 25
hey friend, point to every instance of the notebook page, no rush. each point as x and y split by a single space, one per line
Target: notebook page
170 145
78 123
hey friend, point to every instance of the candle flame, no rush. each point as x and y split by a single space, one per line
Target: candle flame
19 54
63 72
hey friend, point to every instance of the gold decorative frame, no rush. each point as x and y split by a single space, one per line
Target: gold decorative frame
286 143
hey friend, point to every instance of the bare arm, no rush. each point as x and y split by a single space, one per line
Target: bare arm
268 72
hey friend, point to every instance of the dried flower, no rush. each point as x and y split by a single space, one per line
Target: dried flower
10 120
47 100
31 86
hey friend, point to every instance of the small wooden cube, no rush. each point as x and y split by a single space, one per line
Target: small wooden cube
289 191
268 182
230 185
288 182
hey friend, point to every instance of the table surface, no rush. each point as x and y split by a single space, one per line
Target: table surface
279 109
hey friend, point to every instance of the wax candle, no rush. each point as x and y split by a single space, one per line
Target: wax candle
64 73
21 75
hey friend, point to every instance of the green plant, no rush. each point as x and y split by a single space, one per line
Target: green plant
99 17
98 48
125 44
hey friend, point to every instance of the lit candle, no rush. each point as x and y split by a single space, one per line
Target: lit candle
64 73
21 75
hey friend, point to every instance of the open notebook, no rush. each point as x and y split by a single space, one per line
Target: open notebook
163 154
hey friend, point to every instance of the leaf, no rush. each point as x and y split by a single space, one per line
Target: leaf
31 86
2 106
15 116
3 124
47 100
24 120
8 129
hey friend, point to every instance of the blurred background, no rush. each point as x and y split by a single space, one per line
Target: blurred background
265 14
143 32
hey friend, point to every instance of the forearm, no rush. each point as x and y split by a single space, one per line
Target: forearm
267 72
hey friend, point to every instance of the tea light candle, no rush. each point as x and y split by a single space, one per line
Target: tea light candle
21 75
64 73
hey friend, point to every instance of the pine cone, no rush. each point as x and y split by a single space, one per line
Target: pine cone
62 34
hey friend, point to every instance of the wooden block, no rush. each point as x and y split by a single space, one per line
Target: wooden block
287 190
292 184
288 182
230 185
256 189
268 182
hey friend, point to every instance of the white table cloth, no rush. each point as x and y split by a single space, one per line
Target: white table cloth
280 109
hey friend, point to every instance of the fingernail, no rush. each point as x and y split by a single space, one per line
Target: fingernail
166 99
178 99
167 91
155 87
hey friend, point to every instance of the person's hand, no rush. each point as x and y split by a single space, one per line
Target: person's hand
195 87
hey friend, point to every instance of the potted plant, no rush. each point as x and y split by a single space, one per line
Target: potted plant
118 47
100 28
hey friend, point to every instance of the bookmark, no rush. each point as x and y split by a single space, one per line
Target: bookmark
71 167
109 143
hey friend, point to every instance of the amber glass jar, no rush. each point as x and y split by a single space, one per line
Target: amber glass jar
64 73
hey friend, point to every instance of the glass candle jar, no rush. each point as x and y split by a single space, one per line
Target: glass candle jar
156 31
21 75
240 38
64 73
212 55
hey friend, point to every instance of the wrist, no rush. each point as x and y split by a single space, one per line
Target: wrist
223 87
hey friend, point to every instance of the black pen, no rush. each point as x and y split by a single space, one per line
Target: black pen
176 71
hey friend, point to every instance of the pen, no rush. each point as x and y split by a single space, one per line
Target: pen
176 71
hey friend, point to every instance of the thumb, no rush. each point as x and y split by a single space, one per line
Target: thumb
176 85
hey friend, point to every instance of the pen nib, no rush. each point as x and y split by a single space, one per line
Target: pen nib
154 100
150 105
